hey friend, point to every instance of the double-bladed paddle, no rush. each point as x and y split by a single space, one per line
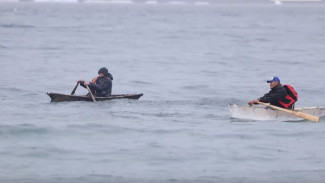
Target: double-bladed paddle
299 114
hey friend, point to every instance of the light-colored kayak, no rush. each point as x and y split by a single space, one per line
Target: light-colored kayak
258 112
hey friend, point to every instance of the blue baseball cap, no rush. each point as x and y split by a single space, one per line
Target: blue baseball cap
273 79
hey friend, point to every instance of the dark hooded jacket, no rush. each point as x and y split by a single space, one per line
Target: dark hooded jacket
275 95
102 87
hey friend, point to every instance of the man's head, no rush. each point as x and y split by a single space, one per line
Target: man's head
103 72
274 81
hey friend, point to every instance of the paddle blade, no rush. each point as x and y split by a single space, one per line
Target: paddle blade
307 116
74 89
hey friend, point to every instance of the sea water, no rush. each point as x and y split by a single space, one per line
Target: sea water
190 60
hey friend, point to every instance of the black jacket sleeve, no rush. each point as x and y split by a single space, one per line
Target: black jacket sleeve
274 96
82 84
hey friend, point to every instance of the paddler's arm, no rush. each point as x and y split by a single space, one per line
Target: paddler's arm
81 82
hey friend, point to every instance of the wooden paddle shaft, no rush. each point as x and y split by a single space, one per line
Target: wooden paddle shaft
91 94
299 114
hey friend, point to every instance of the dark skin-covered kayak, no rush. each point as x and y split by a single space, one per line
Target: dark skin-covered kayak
56 97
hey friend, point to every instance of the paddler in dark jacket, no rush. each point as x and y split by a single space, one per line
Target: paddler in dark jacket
276 96
100 86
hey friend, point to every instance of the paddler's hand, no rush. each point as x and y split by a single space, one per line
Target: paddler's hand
80 81
86 83
253 102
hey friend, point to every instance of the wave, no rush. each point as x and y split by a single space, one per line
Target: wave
12 89
16 26
149 2
21 130
111 2
61 1
142 83
201 102
82 1
55 1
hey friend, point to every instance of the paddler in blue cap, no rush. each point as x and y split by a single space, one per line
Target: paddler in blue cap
277 96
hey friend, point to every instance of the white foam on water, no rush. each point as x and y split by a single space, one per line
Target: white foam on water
151 2
277 2
177 3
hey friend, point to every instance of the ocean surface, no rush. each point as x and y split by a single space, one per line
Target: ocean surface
190 61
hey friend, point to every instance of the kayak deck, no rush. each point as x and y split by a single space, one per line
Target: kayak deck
57 97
